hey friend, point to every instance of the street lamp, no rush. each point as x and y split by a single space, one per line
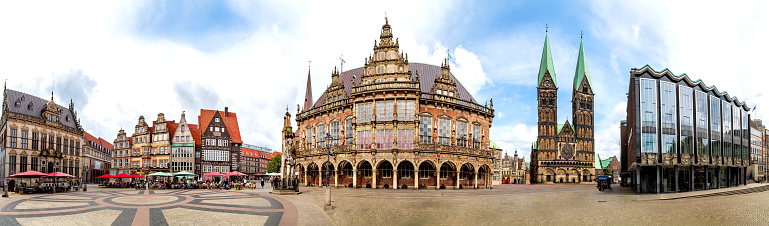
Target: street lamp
328 160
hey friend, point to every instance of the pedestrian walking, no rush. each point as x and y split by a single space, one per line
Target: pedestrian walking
262 183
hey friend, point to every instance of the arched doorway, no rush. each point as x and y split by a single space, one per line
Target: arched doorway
345 174
484 176
364 173
466 176
574 176
300 169
448 175
586 176
312 174
549 175
405 174
427 175
384 175
327 177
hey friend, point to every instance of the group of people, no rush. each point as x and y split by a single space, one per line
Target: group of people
207 184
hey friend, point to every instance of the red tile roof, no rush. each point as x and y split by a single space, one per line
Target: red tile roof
106 144
230 120
171 128
195 133
91 138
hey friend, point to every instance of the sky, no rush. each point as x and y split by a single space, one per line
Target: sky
118 60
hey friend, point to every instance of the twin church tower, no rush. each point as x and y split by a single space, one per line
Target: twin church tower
563 153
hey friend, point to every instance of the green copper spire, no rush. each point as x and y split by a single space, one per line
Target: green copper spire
582 71
547 63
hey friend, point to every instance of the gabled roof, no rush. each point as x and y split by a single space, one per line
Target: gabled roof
106 144
91 138
685 77
37 106
195 131
546 64
560 126
427 74
130 141
605 162
582 71
597 163
230 120
171 125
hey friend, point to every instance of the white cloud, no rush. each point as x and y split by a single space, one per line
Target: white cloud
256 77
607 132
514 137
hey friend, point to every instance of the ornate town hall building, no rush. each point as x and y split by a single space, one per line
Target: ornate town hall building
38 134
564 152
394 124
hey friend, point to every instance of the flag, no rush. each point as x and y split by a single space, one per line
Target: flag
754 107
343 62
449 55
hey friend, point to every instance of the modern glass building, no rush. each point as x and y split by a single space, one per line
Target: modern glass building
683 135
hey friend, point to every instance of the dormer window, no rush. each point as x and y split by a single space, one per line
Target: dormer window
30 106
67 118
18 103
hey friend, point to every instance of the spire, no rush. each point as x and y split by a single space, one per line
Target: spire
582 72
308 95
546 65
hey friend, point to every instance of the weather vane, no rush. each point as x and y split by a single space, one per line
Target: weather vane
545 28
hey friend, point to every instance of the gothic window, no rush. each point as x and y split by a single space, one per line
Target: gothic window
349 131
443 130
462 134
425 129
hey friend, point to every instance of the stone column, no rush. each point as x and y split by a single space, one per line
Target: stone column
373 178
658 173
691 178
638 179
438 178
476 179
707 178
320 176
305 177
336 178
395 178
354 176
457 183
416 178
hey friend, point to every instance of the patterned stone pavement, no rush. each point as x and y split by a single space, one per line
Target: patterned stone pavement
154 207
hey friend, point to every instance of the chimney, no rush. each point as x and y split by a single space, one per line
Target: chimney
226 112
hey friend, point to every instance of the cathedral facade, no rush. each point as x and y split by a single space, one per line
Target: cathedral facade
394 124
563 153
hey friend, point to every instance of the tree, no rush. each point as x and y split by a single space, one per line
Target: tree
608 172
274 165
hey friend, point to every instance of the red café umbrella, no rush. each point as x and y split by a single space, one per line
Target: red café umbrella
58 174
235 173
213 174
28 174
135 176
122 175
105 176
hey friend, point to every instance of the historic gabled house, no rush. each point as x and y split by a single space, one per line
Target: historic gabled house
121 154
161 145
563 153
140 150
220 147
183 147
394 124
39 135
97 158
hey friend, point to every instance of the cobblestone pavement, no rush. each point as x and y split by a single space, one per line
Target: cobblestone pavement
101 206
528 205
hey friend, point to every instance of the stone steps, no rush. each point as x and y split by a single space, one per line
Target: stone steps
727 193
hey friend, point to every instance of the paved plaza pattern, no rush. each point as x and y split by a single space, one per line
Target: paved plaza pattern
503 205
153 207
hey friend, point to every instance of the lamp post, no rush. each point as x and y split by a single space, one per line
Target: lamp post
329 153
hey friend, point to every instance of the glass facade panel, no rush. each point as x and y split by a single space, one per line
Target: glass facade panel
746 134
668 116
736 128
701 100
686 121
648 89
727 129
715 126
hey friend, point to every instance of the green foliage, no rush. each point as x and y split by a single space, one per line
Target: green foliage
274 165
608 172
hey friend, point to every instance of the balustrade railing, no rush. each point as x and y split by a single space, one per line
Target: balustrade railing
416 146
